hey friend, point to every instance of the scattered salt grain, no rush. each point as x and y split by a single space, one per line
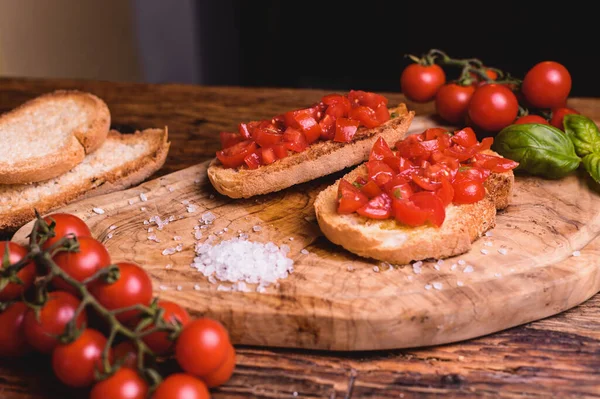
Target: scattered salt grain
179 288
211 196
197 234
99 211
109 236
185 202
488 243
460 283
497 275
171 189
437 285
169 251
418 263
197 181
417 267
152 237
291 238
208 218
113 227
409 278
143 209
162 287
294 394
146 222
440 262
150 229
212 280
436 267
172 218
168 266
576 253
179 248
261 289
488 234
502 251
304 252
454 266
191 208
428 286
350 268
484 251
256 228
468 269
177 238
462 262
143 197
376 269
221 287
131 202
197 287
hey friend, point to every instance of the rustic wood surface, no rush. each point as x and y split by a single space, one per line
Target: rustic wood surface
555 357
323 305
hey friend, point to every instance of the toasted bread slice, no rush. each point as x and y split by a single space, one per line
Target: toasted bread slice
390 241
122 161
49 135
320 159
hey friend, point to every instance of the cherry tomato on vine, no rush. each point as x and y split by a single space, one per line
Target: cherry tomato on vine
75 363
42 327
531 119
16 252
92 256
125 383
547 85
12 339
181 386
159 342
420 83
133 287
126 351
221 375
202 346
66 224
452 100
493 107
558 114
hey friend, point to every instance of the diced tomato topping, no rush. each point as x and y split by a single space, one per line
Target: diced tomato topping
379 207
266 137
364 115
465 137
267 155
338 106
371 189
229 139
371 100
245 129
435 132
294 140
233 157
345 129
380 172
399 187
252 160
494 163
327 125
425 183
412 148
382 114
350 198
380 150
280 150
430 202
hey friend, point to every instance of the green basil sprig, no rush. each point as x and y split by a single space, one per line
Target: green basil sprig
585 136
541 150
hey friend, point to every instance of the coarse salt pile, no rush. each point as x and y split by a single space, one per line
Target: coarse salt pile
238 260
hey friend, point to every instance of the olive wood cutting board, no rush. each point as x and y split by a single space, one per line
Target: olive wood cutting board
541 259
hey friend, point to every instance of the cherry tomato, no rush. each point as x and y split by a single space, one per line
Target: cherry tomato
468 191
42 327
558 114
202 346
379 207
159 342
75 363
531 119
350 198
181 386
223 373
65 224
452 100
125 383
232 157
380 150
547 85
126 351
16 252
92 256
433 204
132 288
494 163
420 83
493 107
12 339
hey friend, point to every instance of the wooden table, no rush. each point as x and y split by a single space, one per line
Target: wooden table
556 357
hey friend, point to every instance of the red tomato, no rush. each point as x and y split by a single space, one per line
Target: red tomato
430 202
420 83
66 224
368 99
253 160
465 137
406 212
305 120
12 338
338 106
159 342
452 100
266 137
558 115
380 172
350 198
181 386
223 373
126 351
468 191
445 192
425 183
531 119
202 346
380 150
547 85
267 155
365 115
233 156
125 383
345 129
92 256
494 163
280 151
42 327
327 127
379 207
229 139
371 189
493 107
75 363
399 188
16 252
132 288
294 140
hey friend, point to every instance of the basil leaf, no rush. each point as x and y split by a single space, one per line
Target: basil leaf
583 132
541 150
591 162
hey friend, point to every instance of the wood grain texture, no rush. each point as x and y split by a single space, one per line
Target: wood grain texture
554 357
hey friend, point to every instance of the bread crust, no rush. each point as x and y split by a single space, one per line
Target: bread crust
72 153
320 159
392 242
127 175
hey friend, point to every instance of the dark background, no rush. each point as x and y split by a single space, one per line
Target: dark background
335 45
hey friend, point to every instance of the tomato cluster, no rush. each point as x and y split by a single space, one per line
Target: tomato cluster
74 321
336 117
487 98
425 173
